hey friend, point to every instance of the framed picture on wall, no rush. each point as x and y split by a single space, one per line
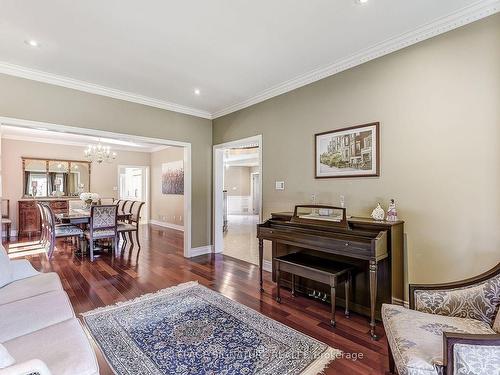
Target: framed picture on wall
348 152
172 178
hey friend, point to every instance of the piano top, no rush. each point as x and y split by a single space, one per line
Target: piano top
287 216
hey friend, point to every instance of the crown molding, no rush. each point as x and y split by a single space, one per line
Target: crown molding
25 138
464 16
53 79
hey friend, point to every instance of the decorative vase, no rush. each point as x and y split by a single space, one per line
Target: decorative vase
378 213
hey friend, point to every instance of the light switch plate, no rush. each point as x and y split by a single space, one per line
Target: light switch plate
280 185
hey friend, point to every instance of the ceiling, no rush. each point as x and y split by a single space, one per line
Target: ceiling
65 138
241 157
236 52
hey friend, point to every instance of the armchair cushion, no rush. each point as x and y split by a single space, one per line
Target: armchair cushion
478 301
5 271
416 338
476 359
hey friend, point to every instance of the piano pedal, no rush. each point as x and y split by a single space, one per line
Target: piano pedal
325 298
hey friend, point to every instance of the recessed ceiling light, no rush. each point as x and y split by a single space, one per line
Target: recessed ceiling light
361 1
197 91
32 43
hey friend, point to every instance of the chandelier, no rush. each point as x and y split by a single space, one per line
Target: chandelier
99 153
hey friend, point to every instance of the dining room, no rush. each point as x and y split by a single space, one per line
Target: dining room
88 195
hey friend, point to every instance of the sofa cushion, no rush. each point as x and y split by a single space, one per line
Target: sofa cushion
34 313
63 347
29 287
6 359
5 271
476 359
416 338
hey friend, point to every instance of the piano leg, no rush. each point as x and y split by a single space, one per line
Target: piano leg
293 285
278 282
373 297
333 285
261 255
347 293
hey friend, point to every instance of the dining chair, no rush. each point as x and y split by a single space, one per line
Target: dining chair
133 223
103 225
127 207
6 220
54 231
120 203
43 225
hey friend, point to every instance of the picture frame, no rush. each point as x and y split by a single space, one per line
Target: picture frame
172 178
348 152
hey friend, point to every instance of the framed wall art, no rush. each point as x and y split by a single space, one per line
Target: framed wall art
348 152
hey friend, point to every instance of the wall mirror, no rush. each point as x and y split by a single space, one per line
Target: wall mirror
55 178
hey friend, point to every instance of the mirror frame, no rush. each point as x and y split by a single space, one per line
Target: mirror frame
47 161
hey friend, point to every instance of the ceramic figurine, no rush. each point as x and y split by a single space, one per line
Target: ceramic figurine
378 213
392 213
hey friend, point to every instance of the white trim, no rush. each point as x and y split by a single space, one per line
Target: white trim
267 265
94 132
167 225
400 302
464 16
218 184
202 250
54 79
28 138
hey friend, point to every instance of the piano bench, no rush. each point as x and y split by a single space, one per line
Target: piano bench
318 269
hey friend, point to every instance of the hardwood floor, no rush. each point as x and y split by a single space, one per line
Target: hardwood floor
160 264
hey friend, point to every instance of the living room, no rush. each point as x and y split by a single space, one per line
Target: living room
377 240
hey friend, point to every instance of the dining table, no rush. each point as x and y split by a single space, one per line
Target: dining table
79 216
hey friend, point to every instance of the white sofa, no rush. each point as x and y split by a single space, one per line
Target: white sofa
39 333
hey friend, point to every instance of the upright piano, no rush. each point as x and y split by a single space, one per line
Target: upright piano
373 248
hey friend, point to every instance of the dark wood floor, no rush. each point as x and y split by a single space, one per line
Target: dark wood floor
160 264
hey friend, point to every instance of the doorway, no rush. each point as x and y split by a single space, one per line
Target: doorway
118 139
133 185
238 198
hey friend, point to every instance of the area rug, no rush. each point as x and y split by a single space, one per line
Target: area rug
190 329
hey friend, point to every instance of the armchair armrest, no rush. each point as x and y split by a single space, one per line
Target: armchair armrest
478 354
21 269
33 366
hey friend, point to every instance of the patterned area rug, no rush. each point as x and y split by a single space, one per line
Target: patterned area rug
190 329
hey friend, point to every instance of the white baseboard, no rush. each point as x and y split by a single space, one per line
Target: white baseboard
400 302
202 250
267 265
167 225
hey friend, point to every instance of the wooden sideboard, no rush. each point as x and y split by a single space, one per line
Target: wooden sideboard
29 216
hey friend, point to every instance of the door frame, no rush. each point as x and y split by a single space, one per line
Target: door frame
146 179
218 185
252 190
188 251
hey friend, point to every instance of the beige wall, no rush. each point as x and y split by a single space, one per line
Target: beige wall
165 208
104 177
237 181
438 103
30 100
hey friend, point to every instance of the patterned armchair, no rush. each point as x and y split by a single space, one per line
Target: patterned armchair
450 329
